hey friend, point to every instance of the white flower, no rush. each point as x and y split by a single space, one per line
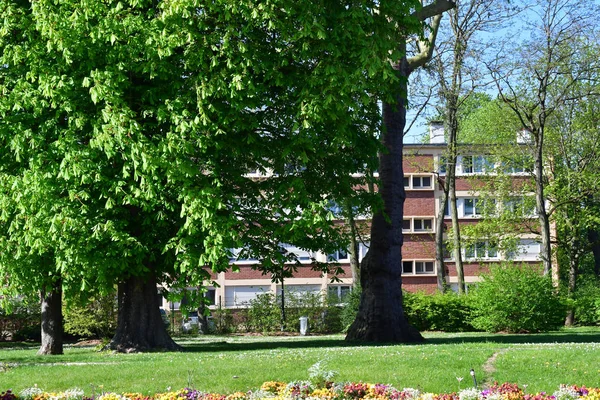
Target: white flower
469 394
411 393
565 393
30 393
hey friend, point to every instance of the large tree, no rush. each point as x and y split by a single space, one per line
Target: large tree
144 119
380 316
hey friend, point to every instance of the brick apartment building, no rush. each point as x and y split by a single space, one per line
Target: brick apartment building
422 167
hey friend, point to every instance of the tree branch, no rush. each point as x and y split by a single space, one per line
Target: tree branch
436 8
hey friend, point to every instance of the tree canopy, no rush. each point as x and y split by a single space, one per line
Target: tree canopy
128 129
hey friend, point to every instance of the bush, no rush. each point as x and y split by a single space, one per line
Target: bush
516 299
223 319
350 308
97 319
587 302
264 314
20 319
447 312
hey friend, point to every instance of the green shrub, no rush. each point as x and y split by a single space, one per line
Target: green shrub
264 314
516 299
447 312
20 319
587 301
350 308
223 320
96 319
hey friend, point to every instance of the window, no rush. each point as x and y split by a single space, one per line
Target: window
417 182
447 252
406 225
481 250
299 290
527 249
518 165
467 164
299 254
338 292
407 267
469 207
421 225
442 164
236 296
424 267
339 255
421 182
478 207
521 207
476 164
211 295
334 207
362 250
482 164
418 267
240 255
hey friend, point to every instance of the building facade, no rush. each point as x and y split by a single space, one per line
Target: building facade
424 169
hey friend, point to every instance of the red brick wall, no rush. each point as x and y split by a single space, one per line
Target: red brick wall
427 284
418 246
419 203
246 272
417 163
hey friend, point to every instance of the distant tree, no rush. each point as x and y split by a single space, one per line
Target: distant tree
538 77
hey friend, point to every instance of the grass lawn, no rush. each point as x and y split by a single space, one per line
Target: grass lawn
227 364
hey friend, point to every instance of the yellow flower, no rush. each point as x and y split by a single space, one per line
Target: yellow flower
274 387
237 396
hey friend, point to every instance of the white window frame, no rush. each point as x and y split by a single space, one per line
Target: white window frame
234 257
523 252
339 256
303 256
413 222
336 290
415 263
411 180
474 164
481 250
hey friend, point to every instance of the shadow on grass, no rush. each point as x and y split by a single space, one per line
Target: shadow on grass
270 343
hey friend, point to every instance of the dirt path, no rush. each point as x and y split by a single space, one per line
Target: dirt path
489 367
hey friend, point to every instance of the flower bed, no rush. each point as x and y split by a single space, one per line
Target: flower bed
305 390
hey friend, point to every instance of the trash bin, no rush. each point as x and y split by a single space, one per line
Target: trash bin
303 325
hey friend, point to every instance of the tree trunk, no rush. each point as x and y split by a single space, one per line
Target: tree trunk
594 239
282 306
380 315
353 250
52 321
442 284
452 128
544 220
140 326
573 262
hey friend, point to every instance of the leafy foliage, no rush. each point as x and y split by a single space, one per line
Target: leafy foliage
19 319
350 307
447 312
516 298
127 129
96 319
